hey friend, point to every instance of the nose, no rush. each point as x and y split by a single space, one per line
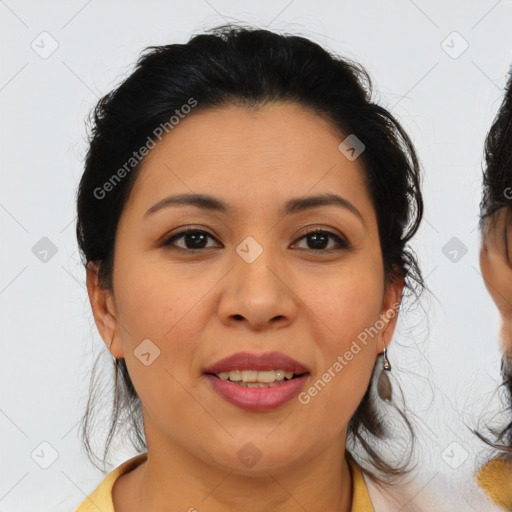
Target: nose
258 294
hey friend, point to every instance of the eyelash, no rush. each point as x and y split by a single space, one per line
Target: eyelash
342 243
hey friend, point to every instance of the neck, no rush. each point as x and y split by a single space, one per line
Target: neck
172 479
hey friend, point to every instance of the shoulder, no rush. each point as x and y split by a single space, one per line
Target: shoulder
101 497
426 488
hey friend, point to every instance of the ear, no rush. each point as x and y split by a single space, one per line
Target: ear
103 309
389 312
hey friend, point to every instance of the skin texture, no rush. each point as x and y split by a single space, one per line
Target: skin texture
199 307
497 270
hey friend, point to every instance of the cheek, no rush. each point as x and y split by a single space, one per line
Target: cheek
160 302
162 319
346 303
345 340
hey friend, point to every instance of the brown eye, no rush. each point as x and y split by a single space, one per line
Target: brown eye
318 240
194 239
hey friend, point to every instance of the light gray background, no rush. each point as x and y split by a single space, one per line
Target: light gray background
449 367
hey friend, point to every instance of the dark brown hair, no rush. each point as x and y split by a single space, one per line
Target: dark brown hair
496 215
250 67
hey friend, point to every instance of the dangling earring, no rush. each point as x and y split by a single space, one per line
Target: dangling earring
383 383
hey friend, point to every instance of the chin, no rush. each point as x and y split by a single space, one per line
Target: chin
257 456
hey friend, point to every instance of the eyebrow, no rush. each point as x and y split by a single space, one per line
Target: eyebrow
299 204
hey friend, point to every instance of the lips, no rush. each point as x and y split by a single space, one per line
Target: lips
258 362
259 399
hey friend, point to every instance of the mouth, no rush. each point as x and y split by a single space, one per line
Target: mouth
257 382
257 362
257 379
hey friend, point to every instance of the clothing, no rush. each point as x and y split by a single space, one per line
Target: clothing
361 501
101 497
495 478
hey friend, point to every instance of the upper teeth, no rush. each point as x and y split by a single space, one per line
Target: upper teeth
255 376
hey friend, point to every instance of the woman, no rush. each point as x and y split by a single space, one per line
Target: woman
244 217
496 264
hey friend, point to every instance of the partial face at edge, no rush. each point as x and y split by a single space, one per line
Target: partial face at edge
198 300
495 256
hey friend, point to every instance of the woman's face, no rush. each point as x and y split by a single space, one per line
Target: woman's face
250 281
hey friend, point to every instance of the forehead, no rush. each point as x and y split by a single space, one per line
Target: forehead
269 154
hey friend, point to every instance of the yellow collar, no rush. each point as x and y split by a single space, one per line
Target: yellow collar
101 497
495 478
360 498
